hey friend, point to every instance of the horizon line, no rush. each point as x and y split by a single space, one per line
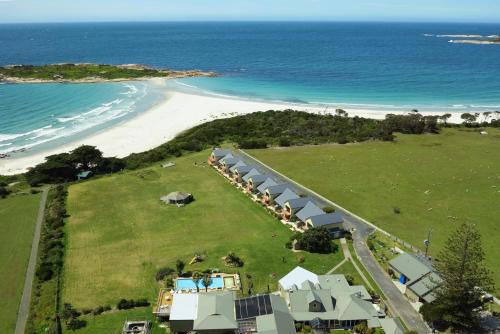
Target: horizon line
254 21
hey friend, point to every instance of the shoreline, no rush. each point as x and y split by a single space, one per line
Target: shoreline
178 112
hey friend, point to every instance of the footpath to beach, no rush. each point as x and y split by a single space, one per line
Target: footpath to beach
24 306
179 112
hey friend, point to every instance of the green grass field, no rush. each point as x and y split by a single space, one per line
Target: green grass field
119 233
17 223
437 181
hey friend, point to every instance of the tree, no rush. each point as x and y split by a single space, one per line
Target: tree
179 265
316 240
444 118
459 297
206 281
468 118
197 277
486 115
86 155
4 192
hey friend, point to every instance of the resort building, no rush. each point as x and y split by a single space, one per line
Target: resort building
333 222
309 210
239 171
255 181
294 205
203 313
326 301
261 189
240 163
227 163
284 197
217 154
417 276
272 192
247 176
222 313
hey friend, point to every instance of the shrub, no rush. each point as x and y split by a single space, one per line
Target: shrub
179 265
397 210
164 272
370 244
349 279
233 260
301 259
329 209
284 142
75 324
125 304
317 240
4 192
98 310
86 310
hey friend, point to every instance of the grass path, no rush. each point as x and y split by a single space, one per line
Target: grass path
24 306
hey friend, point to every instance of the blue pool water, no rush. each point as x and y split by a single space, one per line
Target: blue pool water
188 284
381 66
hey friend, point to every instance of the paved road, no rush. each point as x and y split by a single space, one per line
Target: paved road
397 303
24 307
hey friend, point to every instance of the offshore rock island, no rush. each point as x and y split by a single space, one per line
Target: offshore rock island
88 73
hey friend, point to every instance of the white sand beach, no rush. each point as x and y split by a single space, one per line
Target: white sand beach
179 111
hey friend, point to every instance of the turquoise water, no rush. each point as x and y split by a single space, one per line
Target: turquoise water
189 284
37 116
382 66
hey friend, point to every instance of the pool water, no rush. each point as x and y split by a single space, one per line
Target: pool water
189 284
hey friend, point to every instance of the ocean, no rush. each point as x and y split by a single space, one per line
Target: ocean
383 66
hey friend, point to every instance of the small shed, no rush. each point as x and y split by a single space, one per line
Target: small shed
84 175
177 198
168 164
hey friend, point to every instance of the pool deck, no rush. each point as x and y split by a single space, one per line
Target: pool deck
164 303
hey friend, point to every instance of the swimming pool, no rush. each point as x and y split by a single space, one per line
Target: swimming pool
189 284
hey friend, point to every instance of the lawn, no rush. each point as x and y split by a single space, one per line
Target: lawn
437 182
119 233
17 223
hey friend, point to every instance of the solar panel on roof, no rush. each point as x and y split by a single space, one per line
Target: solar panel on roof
253 307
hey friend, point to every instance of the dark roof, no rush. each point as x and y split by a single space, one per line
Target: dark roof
258 179
285 197
253 307
269 182
410 266
278 189
230 161
326 219
298 203
220 153
251 173
240 163
310 209
424 286
242 170
227 156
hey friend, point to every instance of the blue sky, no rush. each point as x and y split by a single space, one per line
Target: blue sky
205 10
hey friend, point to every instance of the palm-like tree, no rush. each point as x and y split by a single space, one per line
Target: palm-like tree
196 279
206 281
